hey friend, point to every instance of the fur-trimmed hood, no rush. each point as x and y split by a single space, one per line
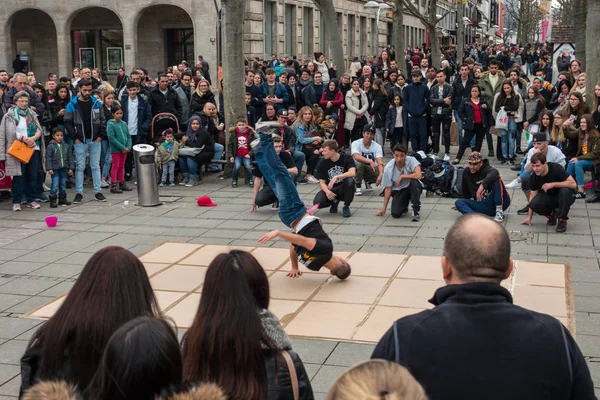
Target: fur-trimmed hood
48 390
206 391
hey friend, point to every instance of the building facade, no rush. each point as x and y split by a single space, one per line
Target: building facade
57 35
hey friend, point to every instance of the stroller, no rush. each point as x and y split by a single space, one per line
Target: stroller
160 123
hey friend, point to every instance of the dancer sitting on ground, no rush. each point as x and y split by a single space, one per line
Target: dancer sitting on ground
309 244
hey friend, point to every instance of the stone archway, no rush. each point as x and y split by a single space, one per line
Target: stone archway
165 37
32 33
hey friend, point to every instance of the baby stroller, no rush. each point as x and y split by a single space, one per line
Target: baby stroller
162 122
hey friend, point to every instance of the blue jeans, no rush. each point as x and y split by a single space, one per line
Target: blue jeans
168 171
105 159
81 150
188 165
460 126
299 158
218 155
237 164
25 185
487 206
417 126
291 207
508 139
59 181
577 170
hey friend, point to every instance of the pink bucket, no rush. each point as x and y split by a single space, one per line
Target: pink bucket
51 221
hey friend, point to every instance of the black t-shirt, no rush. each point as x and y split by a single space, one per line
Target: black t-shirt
556 173
327 169
285 158
323 250
86 115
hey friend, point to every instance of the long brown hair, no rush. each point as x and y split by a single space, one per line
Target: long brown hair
590 130
113 288
502 95
557 134
581 108
223 345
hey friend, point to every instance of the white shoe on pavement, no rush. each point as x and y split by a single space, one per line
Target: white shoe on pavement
515 184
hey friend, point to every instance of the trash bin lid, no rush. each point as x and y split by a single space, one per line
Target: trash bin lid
143 148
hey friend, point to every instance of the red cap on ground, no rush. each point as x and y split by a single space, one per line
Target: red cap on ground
205 201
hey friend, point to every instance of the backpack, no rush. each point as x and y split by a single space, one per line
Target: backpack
438 176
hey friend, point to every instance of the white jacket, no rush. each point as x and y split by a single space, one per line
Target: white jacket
324 70
353 107
518 113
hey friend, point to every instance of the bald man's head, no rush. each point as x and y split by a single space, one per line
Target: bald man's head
478 249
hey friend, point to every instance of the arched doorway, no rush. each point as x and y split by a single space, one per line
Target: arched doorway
97 40
165 37
33 38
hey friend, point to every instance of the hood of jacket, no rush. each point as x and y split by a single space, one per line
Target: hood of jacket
206 391
49 390
95 102
273 330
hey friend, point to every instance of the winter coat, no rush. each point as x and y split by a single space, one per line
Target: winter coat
169 104
59 156
163 156
119 138
337 102
280 92
518 113
415 100
56 120
324 70
289 138
185 103
74 121
309 95
467 113
203 140
461 92
256 99
233 141
534 108
390 119
487 90
34 100
8 134
355 68
486 176
593 149
355 106
379 108
52 390
199 101
144 114
436 101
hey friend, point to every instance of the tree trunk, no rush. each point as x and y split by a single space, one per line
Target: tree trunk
232 21
579 10
434 43
460 32
398 39
332 32
592 50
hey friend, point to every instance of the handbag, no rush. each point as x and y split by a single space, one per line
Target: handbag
454 134
190 151
5 180
502 119
293 375
20 151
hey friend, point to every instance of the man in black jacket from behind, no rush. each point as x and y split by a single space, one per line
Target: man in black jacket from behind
415 99
475 343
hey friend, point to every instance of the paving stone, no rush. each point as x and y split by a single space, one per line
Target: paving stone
312 350
8 372
19 267
224 233
79 259
576 263
589 345
581 275
311 369
82 241
5 280
587 304
48 256
27 286
13 327
325 377
30 304
10 300
587 323
348 354
11 387
59 270
583 288
6 254
572 240
209 240
578 252
318 395
388 241
396 231
59 289
595 372
354 229
12 351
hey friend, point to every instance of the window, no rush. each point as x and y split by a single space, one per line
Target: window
351 32
363 36
390 33
307 22
268 21
180 45
90 47
290 25
373 36
322 39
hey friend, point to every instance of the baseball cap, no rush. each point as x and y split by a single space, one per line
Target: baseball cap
205 201
416 73
540 137
475 157
282 113
369 128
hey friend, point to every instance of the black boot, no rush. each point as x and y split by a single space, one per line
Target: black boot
124 188
62 200
114 188
53 201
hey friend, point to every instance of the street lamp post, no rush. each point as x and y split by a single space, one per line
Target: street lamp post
379 6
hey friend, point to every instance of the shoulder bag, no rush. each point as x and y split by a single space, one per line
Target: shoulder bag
20 151
293 374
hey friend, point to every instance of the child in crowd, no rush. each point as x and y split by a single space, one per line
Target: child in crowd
59 164
239 148
119 141
167 155
394 124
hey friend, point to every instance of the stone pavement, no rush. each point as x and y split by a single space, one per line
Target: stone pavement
38 264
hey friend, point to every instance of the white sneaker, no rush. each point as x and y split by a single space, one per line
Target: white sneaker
368 187
499 216
104 184
515 184
358 192
446 157
312 179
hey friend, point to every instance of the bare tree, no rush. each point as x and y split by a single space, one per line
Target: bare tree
527 15
398 39
562 14
592 48
331 30
232 21
430 20
579 11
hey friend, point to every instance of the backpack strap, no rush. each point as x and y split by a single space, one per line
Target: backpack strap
567 350
396 344
293 374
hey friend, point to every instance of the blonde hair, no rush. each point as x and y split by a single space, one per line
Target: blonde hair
557 134
299 120
376 380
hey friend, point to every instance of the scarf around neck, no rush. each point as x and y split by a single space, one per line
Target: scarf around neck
29 120
274 332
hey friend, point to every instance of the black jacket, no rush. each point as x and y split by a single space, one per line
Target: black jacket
280 384
467 113
461 92
379 109
486 176
169 104
198 101
436 101
475 344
